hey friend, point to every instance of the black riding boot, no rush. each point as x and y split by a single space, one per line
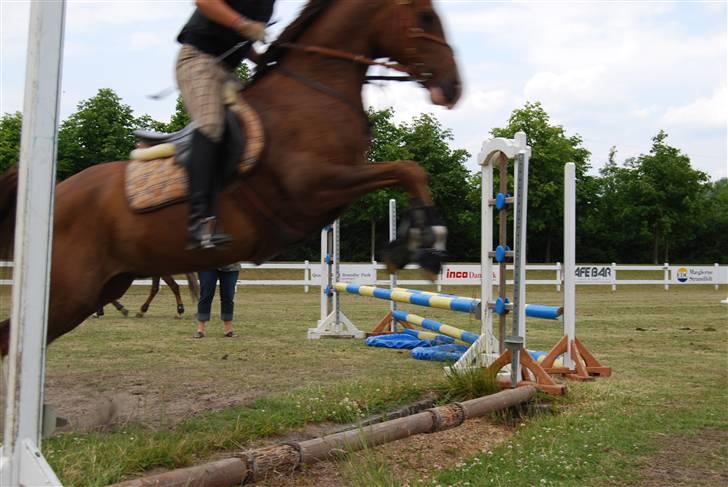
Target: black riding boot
201 229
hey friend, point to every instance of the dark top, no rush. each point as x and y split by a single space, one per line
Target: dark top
215 39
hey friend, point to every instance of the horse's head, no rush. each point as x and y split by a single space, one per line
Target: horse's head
410 32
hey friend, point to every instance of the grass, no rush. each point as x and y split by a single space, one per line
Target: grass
203 397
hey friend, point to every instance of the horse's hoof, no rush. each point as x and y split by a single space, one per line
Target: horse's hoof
125 312
140 315
396 256
181 309
431 261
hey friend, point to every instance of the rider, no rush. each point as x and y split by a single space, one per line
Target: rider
207 59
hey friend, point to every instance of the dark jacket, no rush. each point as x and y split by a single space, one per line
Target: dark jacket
215 39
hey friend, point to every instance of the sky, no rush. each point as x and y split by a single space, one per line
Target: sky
613 72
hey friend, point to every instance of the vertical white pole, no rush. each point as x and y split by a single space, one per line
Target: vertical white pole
522 199
569 258
486 262
393 276
666 276
336 255
558 275
325 281
21 461
614 276
717 274
306 275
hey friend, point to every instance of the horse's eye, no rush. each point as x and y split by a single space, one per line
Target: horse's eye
426 20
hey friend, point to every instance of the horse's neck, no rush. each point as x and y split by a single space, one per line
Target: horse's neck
344 29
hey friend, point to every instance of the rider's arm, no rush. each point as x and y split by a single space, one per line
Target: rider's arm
220 12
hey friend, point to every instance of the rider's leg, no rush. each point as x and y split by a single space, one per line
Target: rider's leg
201 81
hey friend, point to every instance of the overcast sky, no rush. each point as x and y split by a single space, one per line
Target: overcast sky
613 72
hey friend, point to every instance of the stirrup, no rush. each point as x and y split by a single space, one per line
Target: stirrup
204 236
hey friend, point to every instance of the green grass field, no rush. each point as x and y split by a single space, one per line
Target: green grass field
141 394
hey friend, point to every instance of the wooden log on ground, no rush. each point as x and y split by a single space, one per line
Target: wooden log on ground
258 464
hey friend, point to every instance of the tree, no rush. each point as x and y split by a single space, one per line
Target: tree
423 140
551 149
10 127
665 192
99 131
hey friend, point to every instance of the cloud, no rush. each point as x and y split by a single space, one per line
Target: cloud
704 112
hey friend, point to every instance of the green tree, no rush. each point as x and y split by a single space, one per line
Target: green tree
551 149
10 127
99 131
423 140
665 192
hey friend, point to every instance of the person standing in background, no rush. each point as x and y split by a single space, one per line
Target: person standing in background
228 277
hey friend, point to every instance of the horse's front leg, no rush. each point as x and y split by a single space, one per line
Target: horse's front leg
175 289
421 236
152 292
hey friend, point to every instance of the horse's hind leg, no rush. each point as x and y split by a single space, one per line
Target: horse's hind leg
152 293
120 307
175 289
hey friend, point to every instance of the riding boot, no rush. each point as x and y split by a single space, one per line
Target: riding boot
201 228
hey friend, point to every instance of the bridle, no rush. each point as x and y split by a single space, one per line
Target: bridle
414 71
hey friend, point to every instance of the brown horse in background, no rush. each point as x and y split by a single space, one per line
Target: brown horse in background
193 284
313 165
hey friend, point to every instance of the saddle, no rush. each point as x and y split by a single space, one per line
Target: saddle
156 176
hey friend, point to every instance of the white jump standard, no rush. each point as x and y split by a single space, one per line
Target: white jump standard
333 322
510 348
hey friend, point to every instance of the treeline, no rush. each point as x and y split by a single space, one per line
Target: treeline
652 208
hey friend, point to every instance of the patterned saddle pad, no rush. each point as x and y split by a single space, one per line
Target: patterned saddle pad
151 185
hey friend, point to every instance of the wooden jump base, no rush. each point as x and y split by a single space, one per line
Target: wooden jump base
252 466
586 366
541 379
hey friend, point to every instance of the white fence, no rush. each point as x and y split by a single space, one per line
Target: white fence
469 275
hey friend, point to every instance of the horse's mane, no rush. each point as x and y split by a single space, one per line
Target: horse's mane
276 51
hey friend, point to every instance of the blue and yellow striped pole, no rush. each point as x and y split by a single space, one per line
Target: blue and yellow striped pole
464 305
436 326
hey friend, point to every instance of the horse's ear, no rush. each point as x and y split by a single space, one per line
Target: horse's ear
8 203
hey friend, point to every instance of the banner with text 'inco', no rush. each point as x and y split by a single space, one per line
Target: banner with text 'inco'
464 274
353 273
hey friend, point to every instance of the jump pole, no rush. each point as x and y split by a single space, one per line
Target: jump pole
333 322
388 324
509 349
579 363
21 461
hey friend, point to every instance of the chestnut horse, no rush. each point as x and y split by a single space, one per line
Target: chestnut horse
194 287
313 166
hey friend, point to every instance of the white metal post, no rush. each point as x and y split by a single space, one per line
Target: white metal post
666 275
393 276
21 462
569 259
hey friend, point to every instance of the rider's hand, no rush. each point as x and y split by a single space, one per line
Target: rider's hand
250 29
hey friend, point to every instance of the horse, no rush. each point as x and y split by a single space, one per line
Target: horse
194 288
313 165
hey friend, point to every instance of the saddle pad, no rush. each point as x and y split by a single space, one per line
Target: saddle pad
151 185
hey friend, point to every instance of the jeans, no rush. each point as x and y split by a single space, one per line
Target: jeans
208 281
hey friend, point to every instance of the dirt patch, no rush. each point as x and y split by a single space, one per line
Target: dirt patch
133 401
419 457
697 460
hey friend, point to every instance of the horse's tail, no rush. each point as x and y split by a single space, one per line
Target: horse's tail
194 286
8 202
